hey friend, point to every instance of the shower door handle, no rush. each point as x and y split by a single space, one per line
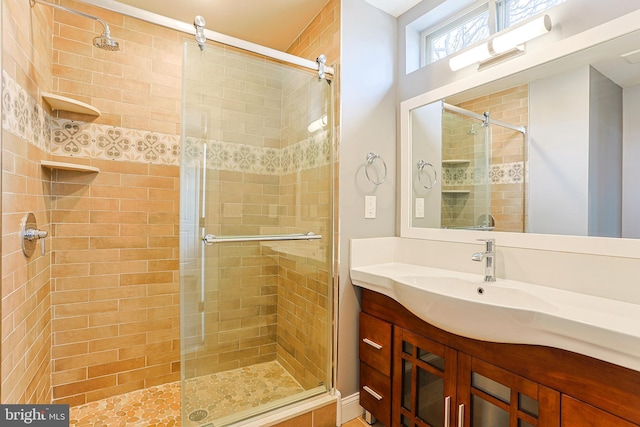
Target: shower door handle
210 239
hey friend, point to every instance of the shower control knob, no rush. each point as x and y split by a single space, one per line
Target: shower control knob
30 234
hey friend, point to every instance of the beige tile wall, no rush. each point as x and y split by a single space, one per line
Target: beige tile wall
138 87
322 36
26 287
114 268
115 259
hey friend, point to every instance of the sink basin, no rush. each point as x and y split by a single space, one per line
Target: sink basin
469 307
510 311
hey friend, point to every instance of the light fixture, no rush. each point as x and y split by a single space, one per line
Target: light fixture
317 124
505 45
522 34
470 56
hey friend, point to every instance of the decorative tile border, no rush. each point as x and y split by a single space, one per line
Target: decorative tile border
80 139
23 117
310 153
502 173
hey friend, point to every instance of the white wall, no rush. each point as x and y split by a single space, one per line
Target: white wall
559 154
605 156
426 137
631 160
368 124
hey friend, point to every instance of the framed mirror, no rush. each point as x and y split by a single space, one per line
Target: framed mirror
538 151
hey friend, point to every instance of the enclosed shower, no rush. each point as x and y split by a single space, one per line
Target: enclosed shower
255 234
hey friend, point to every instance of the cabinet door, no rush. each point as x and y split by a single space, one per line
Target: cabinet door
489 396
424 382
578 414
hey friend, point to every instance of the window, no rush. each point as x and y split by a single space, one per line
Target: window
463 32
510 12
477 25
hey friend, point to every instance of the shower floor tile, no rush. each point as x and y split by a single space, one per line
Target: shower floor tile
236 391
155 406
220 395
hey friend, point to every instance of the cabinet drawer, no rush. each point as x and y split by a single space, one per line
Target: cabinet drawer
375 393
375 343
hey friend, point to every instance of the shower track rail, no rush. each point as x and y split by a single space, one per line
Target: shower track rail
210 239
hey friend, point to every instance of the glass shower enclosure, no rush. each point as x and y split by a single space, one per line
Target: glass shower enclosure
256 235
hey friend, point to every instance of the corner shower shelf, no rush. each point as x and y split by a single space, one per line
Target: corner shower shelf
455 162
68 166
58 102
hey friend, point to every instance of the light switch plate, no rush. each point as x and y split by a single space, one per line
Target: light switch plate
369 206
419 207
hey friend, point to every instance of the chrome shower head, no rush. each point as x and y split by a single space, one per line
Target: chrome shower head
103 41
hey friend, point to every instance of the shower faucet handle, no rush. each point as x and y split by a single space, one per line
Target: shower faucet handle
30 234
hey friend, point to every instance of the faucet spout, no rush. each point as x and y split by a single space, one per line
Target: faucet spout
489 255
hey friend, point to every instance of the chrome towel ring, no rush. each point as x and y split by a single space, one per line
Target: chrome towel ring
371 158
421 165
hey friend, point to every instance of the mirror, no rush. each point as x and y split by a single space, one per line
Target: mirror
551 149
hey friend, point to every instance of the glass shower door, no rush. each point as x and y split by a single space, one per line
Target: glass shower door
257 161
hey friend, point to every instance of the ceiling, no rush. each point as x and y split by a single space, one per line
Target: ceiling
271 23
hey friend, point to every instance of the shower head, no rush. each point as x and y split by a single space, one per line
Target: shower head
103 41
473 130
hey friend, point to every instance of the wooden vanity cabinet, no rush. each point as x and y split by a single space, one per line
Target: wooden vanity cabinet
442 379
375 367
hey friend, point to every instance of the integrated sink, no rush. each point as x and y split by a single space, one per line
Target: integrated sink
510 311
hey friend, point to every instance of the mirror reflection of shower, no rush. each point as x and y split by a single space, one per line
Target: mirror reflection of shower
103 41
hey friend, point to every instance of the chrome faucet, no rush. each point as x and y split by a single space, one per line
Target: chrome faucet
489 255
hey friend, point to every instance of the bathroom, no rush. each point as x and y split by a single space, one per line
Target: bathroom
365 45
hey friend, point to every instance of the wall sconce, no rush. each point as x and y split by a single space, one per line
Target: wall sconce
505 45
317 124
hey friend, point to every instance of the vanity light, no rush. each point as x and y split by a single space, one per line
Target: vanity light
504 46
470 56
317 124
520 35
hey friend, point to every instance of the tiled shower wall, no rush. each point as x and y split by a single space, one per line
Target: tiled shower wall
26 285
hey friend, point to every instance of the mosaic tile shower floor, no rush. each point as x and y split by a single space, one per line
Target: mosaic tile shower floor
220 395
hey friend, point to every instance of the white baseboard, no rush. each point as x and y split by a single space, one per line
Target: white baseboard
351 408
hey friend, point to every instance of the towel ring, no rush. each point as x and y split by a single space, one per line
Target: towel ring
421 165
371 157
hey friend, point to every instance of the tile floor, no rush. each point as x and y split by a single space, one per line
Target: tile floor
211 397
360 422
